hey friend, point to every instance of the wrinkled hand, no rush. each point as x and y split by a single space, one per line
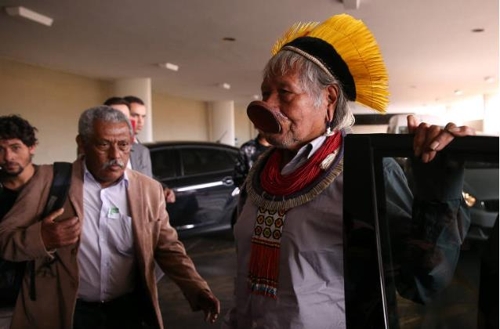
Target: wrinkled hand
429 139
169 195
57 234
210 305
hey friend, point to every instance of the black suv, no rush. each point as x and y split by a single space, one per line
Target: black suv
200 173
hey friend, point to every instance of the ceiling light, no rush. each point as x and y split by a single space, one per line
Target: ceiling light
478 30
231 39
458 92
169 66
225 86
29 14
351 4
256 97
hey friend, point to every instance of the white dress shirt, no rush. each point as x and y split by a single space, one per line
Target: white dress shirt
304 153
106 255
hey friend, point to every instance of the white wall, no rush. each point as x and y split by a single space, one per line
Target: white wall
179 119
244 129
52 102
369 129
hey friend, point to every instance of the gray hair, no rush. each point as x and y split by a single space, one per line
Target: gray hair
102 113
313 80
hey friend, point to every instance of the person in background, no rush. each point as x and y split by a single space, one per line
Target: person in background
138 114
17 147
140 158
94 258
288 234
248 154
120 104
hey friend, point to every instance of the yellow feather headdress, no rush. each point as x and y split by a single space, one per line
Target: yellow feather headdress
343 47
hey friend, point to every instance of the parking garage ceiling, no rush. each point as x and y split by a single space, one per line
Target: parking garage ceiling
431 48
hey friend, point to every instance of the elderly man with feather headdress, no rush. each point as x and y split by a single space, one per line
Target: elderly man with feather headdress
289 230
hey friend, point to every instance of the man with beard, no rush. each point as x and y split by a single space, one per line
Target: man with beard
94 259
17 147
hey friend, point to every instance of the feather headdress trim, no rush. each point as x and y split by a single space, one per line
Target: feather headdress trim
345 48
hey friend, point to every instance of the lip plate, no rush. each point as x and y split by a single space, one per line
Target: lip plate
263 118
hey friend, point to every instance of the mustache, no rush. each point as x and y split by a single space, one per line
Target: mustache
8 163
5 164
113 163
11 173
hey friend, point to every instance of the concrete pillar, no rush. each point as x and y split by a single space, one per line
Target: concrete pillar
139 87
221 122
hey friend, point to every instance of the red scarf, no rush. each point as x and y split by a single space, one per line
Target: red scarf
274 183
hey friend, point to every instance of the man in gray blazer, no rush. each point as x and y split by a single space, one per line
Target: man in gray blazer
138 112
140 159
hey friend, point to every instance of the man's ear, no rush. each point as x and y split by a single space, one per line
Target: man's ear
79 143
32 149
332 94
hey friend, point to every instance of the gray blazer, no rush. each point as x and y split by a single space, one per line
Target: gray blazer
140 159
